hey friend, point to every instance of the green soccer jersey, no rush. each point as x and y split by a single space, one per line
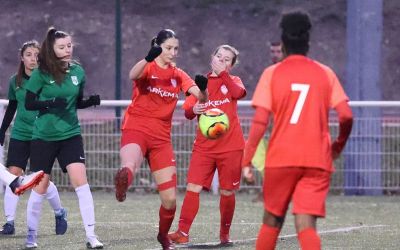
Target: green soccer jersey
57 124
23 123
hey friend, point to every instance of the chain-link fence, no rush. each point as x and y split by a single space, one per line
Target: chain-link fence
371 160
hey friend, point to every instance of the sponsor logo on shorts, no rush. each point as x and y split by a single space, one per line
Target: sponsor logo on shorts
236 183
81 157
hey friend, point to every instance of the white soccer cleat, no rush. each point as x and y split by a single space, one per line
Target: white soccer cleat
27 182
31 245
94 243
31 241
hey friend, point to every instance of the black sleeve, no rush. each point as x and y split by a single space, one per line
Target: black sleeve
80 103
93 100
32 103
9 115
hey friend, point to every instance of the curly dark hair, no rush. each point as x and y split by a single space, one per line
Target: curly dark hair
296 27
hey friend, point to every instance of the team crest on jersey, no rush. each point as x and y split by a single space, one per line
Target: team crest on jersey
173 82
224 90
75 80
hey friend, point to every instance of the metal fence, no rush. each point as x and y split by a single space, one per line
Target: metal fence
370 163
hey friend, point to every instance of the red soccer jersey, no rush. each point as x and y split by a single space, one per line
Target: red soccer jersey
299 92
154 98
220 97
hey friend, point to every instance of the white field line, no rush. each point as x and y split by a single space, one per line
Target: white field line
337 230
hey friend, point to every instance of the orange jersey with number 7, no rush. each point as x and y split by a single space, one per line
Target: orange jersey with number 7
299 92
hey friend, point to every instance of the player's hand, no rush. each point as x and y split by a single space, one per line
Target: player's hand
94 100
248 175
154 52
199 108
57 102
337 148
201 82
218 67
2 137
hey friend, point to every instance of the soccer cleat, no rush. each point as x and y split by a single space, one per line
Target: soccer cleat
26 182
179 237
165 242
31 241
61 222
94 243
225 241
121 184
8 229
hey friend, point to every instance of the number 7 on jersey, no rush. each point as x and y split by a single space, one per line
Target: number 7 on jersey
303 88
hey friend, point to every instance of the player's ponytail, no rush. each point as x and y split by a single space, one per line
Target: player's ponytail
296 27
153 41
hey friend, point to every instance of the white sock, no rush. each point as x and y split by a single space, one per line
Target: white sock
87 208
10 204
53 197
33 212
6 176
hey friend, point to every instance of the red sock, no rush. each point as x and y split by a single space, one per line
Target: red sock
189 211
309 239
166 218
226 209
130 176
267 237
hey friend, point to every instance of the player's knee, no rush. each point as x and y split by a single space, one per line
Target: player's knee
226 192
130 165
303 221
194 188
168 201
168 192
273 220
15 171
41 188
168 184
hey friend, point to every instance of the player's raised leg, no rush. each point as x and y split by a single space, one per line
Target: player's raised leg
131 159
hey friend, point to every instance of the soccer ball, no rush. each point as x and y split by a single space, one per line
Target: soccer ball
213 123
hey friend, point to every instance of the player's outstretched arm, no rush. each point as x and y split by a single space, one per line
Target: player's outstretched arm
345 125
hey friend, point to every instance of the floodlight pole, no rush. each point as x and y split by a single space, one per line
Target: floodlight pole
118 59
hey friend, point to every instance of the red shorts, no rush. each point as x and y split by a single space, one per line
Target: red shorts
203 165
159 153
306 187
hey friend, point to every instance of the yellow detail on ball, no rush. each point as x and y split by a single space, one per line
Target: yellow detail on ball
213 123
